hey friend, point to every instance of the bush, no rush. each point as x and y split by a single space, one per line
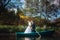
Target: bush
41 28
19 28
13 28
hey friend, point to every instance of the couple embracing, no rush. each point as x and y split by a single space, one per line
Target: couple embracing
31 27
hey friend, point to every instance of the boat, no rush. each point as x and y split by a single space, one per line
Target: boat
35 34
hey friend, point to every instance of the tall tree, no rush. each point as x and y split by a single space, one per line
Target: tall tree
5 16
3 4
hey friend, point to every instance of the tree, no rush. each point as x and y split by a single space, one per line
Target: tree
3 10
3 4
51 13
6 17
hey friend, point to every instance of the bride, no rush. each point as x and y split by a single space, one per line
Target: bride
28 29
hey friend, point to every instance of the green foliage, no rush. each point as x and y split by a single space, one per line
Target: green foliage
42 29
13 28
21 28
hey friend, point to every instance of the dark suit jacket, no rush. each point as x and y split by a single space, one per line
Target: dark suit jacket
33 27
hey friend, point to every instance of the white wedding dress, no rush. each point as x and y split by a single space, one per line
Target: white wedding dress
28 30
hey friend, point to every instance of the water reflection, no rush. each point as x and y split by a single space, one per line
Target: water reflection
43 38
27 38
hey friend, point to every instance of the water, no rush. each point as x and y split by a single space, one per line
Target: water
28 38
43 38
55 36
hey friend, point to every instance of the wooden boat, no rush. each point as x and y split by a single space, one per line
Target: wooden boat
34 34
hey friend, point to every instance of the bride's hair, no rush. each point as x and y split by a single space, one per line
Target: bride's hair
30 19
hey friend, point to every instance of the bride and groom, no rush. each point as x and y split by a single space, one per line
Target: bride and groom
31 27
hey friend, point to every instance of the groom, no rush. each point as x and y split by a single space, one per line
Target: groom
33 27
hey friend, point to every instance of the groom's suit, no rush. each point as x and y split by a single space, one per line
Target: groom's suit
33 27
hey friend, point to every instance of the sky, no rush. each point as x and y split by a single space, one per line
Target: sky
22 1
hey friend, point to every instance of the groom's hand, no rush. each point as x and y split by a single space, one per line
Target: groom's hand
31 28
